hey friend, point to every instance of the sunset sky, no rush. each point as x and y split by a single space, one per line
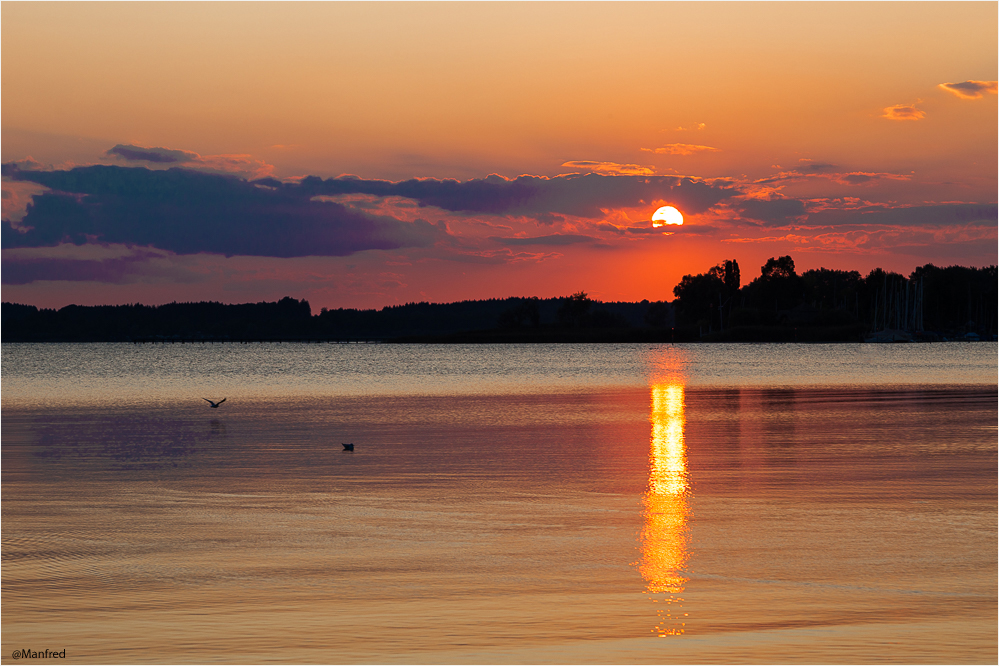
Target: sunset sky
368 154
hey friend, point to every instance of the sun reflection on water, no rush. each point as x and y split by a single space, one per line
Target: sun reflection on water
664 534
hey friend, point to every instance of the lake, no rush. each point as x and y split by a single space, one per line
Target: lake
503 503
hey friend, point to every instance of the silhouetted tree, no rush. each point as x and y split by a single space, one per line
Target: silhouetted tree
697 296
832 289
603 318
574 309
527 310
778 287
957 298
728 272
657 315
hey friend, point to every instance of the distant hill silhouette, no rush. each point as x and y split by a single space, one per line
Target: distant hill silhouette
289 319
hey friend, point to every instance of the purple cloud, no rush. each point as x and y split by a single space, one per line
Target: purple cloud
937 215
585 195
971 89
155 155
188 212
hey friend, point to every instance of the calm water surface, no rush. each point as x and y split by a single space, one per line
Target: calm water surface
504 504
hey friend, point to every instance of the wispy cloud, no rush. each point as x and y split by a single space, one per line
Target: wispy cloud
810 166
139 265
930 215
773 211
553 239
612 168
680 149
866 177
155 155
929 243
828 172
903 112
243 165
971 89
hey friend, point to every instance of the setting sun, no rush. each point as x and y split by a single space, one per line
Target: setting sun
666 215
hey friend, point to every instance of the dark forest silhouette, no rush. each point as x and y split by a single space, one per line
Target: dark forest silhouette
819 305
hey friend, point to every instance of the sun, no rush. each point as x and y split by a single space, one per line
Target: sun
666 215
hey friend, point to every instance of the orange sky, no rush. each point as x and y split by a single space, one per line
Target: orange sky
831 124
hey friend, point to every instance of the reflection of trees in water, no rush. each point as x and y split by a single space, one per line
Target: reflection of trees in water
216 429
126 441
779 417
664 535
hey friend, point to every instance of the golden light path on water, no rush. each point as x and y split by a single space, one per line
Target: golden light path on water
664 537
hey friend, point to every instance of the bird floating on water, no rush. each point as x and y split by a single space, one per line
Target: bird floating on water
348 447
215 405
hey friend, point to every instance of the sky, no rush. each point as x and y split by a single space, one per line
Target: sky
370 154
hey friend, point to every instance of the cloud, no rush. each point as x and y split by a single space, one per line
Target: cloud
244 165
553 239
680 149
189 212
933 243
903 112
548 218
817 167
116 270
977 215
581 195
611 168
155 155
827 172
29 163
776 212
16 197
971 89
772 211
866 177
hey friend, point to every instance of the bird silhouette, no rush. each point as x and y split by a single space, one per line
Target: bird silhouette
215 405
348 447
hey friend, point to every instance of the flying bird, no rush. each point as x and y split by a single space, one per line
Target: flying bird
348 447
215 405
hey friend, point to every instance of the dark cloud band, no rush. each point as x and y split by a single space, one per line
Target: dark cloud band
188 212
579 195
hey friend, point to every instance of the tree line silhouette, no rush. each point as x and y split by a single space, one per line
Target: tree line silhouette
821 304
931 303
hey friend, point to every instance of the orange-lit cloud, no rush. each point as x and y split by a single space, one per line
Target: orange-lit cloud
552 239
971 89
16 197
903 112
893 240
826 172
612 168
680 149
866 177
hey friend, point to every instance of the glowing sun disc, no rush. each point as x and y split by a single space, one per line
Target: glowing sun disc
666 215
